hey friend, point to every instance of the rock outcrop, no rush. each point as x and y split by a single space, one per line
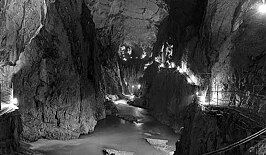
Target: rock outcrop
10 133
241 63
168 95
57 75
207 131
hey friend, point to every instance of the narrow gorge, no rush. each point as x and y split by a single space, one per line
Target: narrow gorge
143 77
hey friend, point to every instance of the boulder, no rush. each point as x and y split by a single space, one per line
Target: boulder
116 152
161 145
126 117
110 108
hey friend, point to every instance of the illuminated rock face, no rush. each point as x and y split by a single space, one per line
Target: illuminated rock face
241 63
20 22
57 84
236 60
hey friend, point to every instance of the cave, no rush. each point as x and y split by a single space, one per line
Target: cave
132 77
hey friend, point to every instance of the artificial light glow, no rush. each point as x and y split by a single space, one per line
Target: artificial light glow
143 55
193 79
14 101
190 81
172 65
124 59
262 8
180 70
139 86
162 65
146 65
7 108
202 99
197 93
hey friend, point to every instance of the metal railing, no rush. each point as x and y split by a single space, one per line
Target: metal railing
245 140
243 96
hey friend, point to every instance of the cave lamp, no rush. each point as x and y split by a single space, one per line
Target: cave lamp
262 7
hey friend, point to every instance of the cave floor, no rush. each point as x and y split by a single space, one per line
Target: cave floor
115 133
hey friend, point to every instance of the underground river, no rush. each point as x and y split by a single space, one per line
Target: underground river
115 133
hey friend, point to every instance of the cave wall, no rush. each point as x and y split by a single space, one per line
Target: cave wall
133 23
167 97
223 41
241 65
207 131
168 92
10 133
232 39
57 77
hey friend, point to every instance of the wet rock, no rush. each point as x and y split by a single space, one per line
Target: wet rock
112 97
161 145
110 108
126 117
139 102
147 134
155 131
159 142
116 152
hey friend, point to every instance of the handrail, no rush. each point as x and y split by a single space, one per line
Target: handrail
229 147
240 92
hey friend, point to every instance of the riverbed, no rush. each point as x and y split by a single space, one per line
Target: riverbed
114 133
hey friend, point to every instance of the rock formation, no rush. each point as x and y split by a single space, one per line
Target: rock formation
207 131
62 57
56 77
168 95
130 23
9 133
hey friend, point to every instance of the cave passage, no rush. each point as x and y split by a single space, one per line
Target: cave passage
124 77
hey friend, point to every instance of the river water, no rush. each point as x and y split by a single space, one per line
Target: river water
114 133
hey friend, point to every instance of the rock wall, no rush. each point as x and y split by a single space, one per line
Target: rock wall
130 21
223 41
57 77
207 131
241 64
168 91
168 95
232 33
133 23
10 133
